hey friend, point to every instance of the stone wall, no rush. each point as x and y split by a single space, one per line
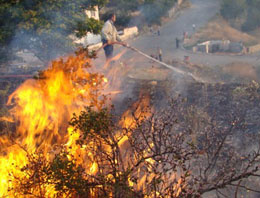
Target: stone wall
129 33
253 49
219 46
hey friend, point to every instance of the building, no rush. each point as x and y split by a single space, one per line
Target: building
216 46
90 38
93 13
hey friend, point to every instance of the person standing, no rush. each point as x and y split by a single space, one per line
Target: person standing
109 35
193 27
177 42
160 54
159 31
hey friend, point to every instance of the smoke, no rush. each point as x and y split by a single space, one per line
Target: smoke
151 13
45 27
46 46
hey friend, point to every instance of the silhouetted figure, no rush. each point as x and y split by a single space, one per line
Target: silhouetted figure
160 54
151 30
193 27
177 42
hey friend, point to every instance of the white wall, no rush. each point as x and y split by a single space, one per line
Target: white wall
93 13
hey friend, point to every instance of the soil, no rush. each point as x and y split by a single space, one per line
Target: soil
241 69
219 29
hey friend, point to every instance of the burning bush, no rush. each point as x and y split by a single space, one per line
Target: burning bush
178 151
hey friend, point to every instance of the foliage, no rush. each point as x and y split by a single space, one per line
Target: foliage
243 9
154 10
125 5
122 20
253 16
233 9
99 137
100 3
66 177
188 148
44 26
177 152
151 10
93 124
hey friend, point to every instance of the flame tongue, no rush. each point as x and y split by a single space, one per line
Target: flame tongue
42 109
44 106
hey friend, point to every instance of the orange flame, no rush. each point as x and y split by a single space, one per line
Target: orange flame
42 109
115 58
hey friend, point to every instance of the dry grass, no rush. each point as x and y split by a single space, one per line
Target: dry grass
219 29
256 33
241 69
152 73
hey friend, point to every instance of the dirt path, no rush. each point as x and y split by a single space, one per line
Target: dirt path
199 14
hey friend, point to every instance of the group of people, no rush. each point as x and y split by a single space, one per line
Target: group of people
158 56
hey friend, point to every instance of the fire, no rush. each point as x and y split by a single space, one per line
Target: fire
42 109
141 113
115 58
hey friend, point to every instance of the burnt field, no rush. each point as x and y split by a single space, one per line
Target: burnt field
192 138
